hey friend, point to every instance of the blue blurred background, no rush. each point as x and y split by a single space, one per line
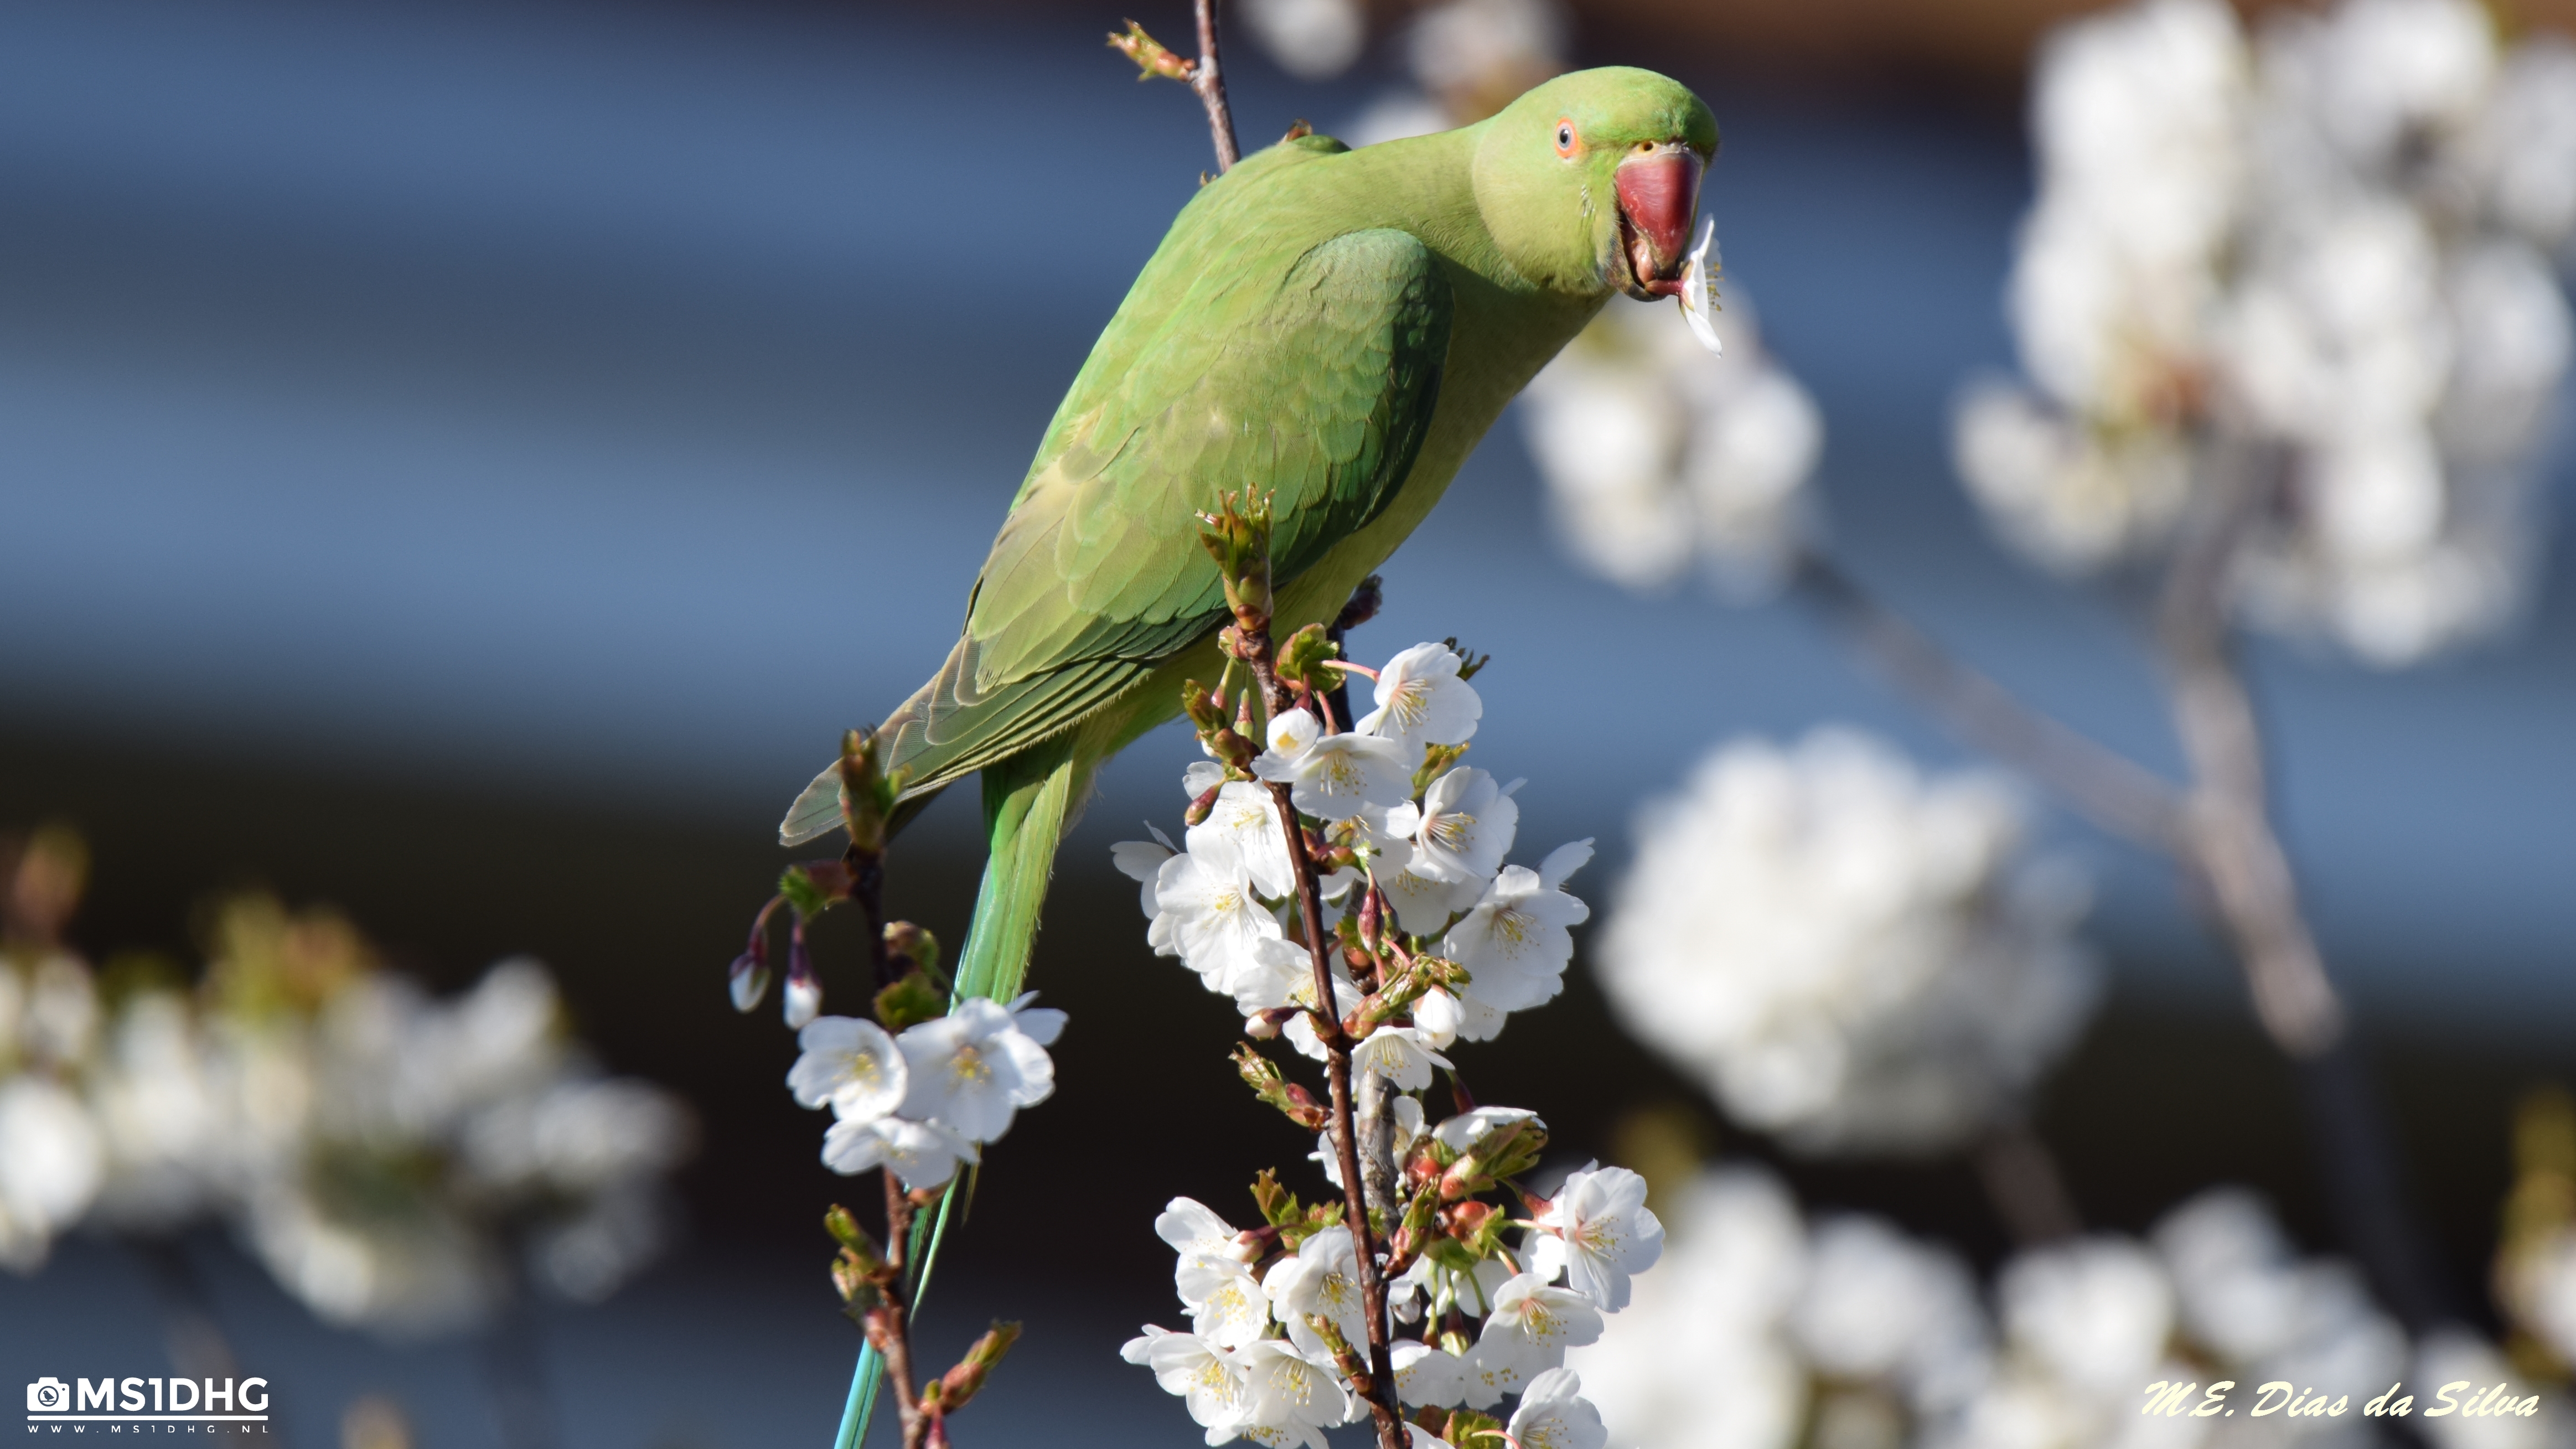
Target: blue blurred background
469 461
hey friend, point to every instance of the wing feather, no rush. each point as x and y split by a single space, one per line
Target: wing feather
1315 388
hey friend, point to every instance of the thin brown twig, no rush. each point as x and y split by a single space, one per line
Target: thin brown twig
890 1327
2108 788
1208 80
2021 1178
2246 878
2229 832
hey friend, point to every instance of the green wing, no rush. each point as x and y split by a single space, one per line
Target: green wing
1314 384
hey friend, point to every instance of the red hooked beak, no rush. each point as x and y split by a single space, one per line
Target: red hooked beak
1658 196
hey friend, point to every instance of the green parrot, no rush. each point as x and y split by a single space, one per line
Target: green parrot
1334 328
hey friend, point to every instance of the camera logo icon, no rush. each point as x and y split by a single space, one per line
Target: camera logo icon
48 1395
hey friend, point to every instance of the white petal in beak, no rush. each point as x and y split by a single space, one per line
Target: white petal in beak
1699 291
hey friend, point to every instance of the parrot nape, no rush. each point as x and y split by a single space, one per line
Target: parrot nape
1333 328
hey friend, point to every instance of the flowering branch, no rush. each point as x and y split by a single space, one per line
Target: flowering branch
1204 76
1344 883
1240 541
915 1092
877 1289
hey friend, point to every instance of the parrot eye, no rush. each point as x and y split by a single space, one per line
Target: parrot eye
1565 138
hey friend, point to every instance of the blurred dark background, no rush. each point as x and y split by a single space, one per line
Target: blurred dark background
466 463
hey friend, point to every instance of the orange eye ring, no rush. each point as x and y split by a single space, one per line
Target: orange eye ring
1567 142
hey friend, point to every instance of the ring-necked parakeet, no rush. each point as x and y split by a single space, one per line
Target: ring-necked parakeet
1333 328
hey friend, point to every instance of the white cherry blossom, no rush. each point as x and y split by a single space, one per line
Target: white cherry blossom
1210 1380
1313 40
1424 903
1439 1289
1600 1232
2096 1311
1300 1030
852 1065
1470 1127
1322 1279
1515 943
1293 1396
1882 1306
1227 1305
1216 919
1399 1054
1282 973
1191 1226
923 1154
1142 861
1699 1356
1428 1375
1246 820
1422 701
1439 1016
1467 826
1847 950
2322 242
1527 1333
975 1067
800 999
1334 777
1660 458
1553 1415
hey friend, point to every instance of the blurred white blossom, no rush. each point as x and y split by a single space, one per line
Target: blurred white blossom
2470 1368
2544 1284
50 1165
1878 1305
1312 40
1660 456
2323 252
1764 1331
1475 56
384 1154
1702 1357
1849 953
516 1130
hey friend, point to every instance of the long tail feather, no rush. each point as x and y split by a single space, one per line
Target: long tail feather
1025 803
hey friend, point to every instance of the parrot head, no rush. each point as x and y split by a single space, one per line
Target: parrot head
1589 183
